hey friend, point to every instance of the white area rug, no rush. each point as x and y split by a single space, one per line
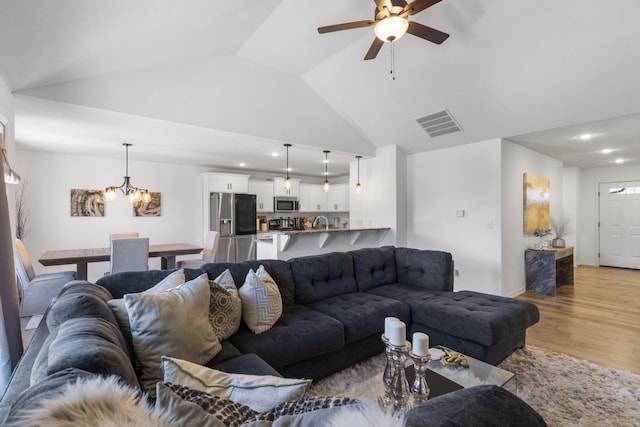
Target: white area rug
564 390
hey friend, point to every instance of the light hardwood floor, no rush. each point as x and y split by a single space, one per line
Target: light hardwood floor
597 319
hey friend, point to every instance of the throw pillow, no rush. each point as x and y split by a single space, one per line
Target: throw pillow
120 311
205 409
225 308
261 301
259 392
173 323
217 409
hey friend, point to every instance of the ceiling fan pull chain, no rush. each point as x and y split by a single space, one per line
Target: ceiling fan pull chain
393 60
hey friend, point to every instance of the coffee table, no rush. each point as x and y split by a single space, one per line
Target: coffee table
478 373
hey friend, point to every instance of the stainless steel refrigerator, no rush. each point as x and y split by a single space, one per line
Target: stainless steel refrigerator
233 216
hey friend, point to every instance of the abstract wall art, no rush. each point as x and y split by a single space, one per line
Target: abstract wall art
87 202
150 208
536 203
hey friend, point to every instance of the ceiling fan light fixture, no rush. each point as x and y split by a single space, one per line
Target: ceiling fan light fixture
391 28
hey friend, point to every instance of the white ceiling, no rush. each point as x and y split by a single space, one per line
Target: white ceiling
217 83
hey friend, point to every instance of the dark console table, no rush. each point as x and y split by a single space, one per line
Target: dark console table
548 268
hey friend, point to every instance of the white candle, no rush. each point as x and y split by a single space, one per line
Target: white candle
397 333
387 325
420 345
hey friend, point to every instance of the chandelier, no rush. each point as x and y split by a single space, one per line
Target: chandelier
135 194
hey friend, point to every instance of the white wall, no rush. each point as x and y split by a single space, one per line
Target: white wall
382 201
442 182
517 160
571 206
50 177
587 230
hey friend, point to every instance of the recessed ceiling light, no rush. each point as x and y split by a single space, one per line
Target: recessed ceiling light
619 160
274 154
585 136
606 150
243 165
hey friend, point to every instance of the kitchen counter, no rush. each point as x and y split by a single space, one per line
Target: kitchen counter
286 244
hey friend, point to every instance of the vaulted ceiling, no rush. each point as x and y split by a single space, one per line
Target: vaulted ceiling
217 83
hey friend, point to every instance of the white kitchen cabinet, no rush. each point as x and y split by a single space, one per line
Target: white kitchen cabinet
279 190
264 195
313 198
226 183
338 198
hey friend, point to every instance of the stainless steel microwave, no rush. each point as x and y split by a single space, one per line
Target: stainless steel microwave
286 204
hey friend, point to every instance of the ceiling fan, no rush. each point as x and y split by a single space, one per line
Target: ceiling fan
390 23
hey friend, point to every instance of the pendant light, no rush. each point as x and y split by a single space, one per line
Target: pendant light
326 172
135 194
358 186
287 180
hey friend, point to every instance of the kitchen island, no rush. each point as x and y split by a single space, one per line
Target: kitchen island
286 244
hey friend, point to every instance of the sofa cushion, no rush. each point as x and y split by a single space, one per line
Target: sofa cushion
80 300
92 344
431 270
130 282
362 313
50 387
404 293
299 334
250 364
278 270
174 323
374 267
323 276
482 318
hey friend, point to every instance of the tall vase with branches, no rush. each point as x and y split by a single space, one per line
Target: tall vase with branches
22 213
559 226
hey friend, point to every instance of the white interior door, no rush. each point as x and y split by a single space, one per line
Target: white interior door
620 224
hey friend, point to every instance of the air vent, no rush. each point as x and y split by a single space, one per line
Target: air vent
440 123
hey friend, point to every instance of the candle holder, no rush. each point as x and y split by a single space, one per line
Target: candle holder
395 381
420 389
387 377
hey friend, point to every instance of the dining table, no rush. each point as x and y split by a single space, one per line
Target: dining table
82 257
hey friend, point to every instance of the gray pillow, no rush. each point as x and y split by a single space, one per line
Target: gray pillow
261 301
120 311
174 323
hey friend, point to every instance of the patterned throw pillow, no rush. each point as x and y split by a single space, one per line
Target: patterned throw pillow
225 307
261 301
233 414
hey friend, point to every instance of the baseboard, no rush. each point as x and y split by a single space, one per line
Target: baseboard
515 293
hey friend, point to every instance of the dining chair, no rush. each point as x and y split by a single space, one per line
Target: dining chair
208 252
125 235
36 291
129 254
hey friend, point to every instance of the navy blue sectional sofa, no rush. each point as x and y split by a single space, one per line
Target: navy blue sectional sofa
334 306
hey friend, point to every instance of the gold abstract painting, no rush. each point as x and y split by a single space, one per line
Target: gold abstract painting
536 203
87 202
151 208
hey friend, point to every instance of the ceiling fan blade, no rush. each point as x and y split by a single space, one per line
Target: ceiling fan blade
418 6
374 49
427 33
345 26
380 4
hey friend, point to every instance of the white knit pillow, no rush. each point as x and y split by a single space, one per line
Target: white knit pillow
261 302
